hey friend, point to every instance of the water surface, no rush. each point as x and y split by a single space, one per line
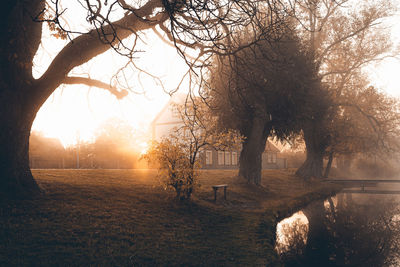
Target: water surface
345 230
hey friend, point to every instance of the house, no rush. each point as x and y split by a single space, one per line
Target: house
271 157
213 159
168 119
216 159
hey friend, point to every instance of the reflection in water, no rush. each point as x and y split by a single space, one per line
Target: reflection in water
292 233
352 230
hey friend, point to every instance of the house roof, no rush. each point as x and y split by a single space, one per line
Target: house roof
177 98
269 147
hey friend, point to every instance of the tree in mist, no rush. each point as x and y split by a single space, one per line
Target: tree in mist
177 156
367 125
201 25
113 146
344 36
267 89
45 152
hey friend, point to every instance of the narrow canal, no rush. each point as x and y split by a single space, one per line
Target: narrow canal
346 230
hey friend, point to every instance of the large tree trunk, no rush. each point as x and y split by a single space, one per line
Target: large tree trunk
19 40
250 162
16 180
315 146
313 165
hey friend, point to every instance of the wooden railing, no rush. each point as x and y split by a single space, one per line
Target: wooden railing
363 183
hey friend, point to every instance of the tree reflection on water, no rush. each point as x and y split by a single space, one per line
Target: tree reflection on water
292 234
343 231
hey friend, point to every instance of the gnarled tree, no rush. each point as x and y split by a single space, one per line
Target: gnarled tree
344 36
267 89
367 125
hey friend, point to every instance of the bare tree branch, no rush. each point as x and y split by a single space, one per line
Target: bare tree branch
88 45
96 83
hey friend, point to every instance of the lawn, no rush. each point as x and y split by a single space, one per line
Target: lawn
125 218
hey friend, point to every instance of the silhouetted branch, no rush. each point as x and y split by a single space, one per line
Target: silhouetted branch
96 83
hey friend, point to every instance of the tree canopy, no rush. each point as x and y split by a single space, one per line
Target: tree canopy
267 89
345 36
304 79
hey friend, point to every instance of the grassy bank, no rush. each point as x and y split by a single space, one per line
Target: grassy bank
124 218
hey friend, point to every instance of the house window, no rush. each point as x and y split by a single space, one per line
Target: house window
234 158
227 158
273 158
208 157
175 112
269 158
220 158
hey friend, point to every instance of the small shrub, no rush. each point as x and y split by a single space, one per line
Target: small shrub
175 167
177 156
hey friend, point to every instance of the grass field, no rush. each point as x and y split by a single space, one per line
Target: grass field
125 218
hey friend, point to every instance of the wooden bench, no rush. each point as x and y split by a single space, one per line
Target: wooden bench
216 187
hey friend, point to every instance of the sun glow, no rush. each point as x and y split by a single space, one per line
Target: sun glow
73 113
143 148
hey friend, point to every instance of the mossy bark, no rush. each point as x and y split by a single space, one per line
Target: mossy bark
250 163
316 144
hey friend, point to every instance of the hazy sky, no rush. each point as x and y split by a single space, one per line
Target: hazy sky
386 74
78 110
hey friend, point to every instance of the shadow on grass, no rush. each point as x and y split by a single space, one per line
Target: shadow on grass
123 218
